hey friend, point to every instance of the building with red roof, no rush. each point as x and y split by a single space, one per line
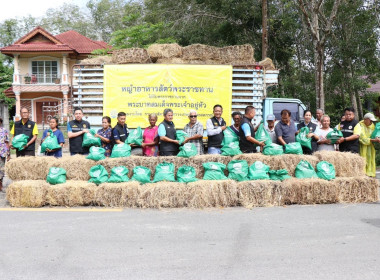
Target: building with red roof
43 69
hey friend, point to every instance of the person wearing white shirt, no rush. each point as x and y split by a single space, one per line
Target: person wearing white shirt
324 144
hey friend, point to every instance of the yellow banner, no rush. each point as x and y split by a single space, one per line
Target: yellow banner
139 90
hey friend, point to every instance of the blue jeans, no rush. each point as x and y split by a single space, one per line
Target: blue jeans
214 151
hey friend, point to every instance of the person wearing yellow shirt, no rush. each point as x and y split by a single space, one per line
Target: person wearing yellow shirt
29 128
367 149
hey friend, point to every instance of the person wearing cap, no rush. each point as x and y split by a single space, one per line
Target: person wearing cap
350 140
367 149
271 119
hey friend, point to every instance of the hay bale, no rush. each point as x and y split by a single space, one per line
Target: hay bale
240 54
72 193
285 161
357 189
118 195
27 193
133 55
201 53
29 168
157 51
203 194
346 164
102 59
260 193
173 60
77 167
163 195
308 191
267 63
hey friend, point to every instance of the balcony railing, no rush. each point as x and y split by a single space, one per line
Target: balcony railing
40 79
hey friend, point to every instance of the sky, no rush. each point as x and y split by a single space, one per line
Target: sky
35 8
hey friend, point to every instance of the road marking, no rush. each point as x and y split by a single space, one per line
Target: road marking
62 209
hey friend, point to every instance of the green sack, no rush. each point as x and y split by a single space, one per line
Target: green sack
96 153
90 140
229 136
280 174
56 175
50 143
141 174
305 170
186 174
98 174
262 135
376 133
19 141
302 137
325 170
180 136
231 149
293 148
118 174
273 149
135 137
334 135
164 172
121 150
258 171
187 150
238 170
214 171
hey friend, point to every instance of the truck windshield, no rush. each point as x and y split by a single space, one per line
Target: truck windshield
292 107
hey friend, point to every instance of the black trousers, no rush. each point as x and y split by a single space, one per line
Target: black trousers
168 153
24 153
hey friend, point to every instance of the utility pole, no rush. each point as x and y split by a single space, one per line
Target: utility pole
264 44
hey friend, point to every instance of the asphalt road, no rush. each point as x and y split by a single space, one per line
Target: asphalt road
296 242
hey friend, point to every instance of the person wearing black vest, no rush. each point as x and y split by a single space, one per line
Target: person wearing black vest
29 128
215 127
75 130
312 132
169 146
120 132
247 141
350 140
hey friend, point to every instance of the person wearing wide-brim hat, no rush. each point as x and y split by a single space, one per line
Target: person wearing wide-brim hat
367 149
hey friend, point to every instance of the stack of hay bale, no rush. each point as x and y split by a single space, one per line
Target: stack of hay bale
175 54
30 188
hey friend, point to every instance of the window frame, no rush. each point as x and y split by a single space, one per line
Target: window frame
44 79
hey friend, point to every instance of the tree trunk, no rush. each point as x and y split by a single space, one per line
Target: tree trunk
265 29
351 91
319 90
360 107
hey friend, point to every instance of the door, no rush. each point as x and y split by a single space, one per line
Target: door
46 110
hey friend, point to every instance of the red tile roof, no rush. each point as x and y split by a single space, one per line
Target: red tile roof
70 41
80 43
36 47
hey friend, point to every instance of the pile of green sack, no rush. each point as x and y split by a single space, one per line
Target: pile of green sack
238 170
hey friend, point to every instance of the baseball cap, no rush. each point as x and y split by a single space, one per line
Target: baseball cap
271 117
370 116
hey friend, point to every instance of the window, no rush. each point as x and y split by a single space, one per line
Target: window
44 72
292 107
